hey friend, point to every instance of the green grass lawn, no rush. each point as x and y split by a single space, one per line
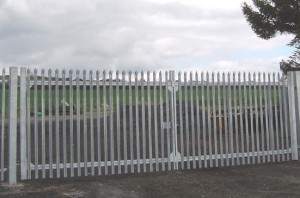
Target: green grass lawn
90 95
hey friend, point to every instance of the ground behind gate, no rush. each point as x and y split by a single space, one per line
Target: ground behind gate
265 180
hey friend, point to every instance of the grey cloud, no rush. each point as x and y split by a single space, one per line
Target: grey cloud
119 34
188 12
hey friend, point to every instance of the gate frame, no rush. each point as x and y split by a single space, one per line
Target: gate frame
23 128
294 86
12 136
293 79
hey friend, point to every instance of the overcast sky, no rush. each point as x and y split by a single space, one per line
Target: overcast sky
205 35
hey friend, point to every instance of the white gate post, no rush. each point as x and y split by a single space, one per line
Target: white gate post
12 108
292 110
298 109
23 137
175 155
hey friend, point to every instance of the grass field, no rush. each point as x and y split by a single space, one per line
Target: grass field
88 96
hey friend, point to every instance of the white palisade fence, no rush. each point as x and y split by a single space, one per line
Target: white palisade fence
73 123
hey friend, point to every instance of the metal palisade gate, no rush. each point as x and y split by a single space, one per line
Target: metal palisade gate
73 123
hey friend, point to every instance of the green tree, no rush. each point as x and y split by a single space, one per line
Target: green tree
270 18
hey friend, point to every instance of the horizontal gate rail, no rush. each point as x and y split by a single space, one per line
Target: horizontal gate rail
148 161
127 83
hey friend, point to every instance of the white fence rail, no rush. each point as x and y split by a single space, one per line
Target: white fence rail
77 124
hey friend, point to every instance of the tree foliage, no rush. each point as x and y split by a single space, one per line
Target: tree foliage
272 17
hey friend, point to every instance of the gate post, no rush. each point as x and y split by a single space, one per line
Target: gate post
12 136
23 137
292 109
298 109
175 155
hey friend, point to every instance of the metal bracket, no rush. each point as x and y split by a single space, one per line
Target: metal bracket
175 157
166 125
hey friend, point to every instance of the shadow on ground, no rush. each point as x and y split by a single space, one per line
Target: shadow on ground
266 180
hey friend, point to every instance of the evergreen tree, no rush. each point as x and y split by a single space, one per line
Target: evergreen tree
272 17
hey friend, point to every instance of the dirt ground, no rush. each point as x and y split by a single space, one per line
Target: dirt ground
265 180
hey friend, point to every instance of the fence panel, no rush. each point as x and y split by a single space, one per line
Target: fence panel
103 126
85 123
243 120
